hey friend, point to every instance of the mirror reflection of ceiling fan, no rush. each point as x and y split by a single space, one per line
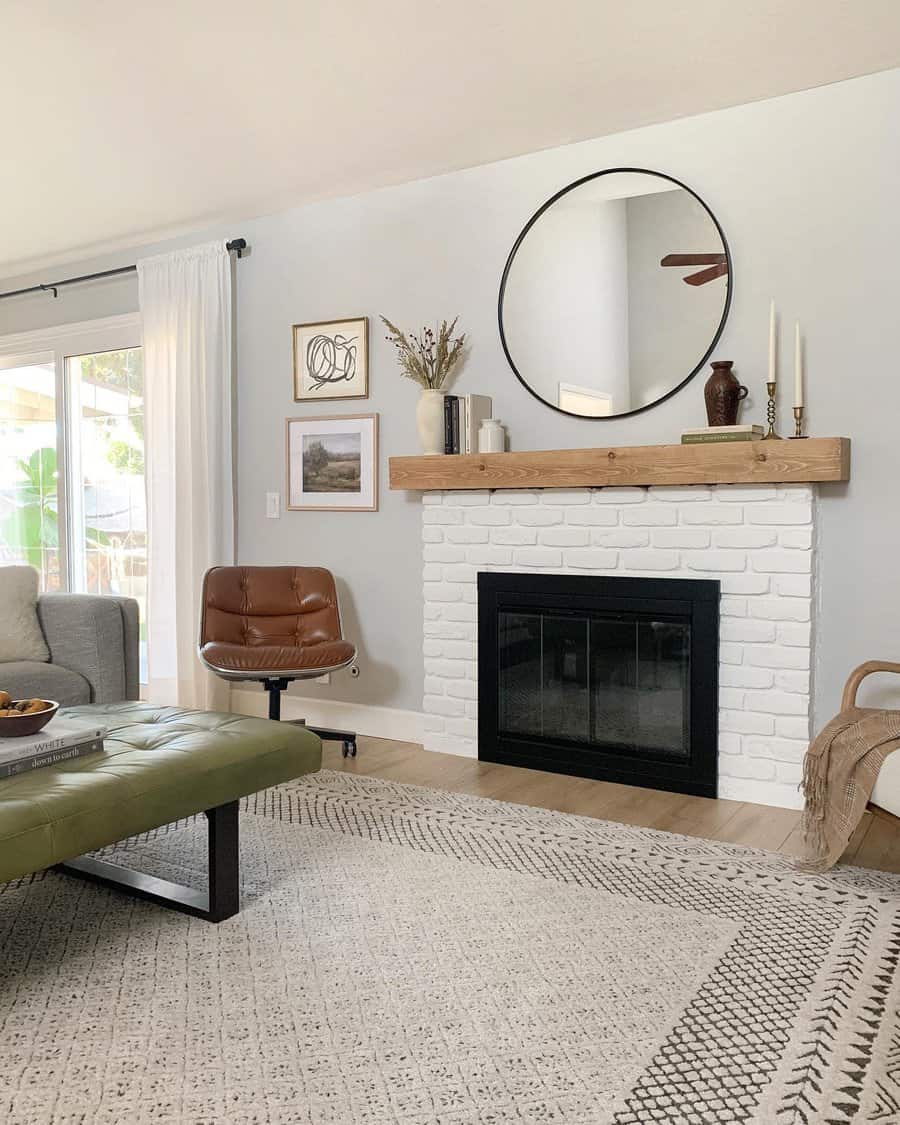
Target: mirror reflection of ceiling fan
717 263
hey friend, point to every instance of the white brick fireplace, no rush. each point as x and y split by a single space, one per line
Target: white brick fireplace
758 541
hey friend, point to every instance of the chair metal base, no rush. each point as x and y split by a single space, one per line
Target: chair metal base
220 901
275 686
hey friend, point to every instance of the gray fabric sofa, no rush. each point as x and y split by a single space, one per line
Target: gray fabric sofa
94 652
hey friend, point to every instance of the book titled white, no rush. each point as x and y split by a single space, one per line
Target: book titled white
57 735
475 409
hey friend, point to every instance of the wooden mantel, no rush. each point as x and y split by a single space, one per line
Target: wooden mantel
758 462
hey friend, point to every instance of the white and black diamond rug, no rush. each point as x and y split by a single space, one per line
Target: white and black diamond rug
423 958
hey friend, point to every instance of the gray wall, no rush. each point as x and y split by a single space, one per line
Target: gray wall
806 188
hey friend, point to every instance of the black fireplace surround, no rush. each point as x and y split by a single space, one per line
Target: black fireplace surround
613 678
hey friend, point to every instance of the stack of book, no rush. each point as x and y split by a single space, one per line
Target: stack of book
59 741
721 433
463 415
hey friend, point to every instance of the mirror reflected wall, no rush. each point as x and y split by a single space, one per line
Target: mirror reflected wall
615 293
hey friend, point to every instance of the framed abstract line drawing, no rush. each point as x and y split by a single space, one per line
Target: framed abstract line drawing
331 360
332 463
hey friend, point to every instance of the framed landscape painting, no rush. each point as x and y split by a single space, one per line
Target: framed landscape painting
331 360
332 463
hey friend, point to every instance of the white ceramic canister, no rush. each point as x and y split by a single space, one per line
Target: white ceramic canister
492 436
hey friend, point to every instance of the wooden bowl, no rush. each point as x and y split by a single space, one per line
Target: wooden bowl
22 726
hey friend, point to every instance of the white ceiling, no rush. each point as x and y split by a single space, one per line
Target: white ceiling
127 121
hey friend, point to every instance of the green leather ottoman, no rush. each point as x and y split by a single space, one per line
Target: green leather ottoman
159 764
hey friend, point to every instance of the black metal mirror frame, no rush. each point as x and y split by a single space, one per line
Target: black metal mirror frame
512 254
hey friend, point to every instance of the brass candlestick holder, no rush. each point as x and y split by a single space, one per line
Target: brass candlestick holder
770 414
798 423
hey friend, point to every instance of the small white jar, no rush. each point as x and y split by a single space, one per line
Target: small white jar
491 436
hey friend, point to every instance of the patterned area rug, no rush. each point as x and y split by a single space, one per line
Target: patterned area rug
424 958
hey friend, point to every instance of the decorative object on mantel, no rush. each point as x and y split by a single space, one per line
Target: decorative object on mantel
723 394
463 415
798 383
428 360
492 436
331 360
748 462
710 434
771 382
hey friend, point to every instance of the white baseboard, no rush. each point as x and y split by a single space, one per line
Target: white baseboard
380 722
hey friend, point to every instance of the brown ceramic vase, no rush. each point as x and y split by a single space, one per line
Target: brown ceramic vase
723 394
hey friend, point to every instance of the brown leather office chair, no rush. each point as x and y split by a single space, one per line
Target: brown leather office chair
274 624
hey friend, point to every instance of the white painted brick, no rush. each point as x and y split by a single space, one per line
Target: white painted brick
746 630
442 592
796 538
598 517
748 538
434 723
440 705
650 559
432 572
513 536
538 556
780 512
717 561
793 585
460 572
791 680
462 689
488 556
731 698
774 656
745 493
539 517
475 499
692 538
776 703
472 709
450 630
452 744
488 517
730 743
792 726
434 685
777 561
712 514
732 607
459 613
465 728
448 669
467 534
620 495
432 535
757 768
432 499
731 654
743 676
795 634
795 493
791 772
779 749
592 559
780 609
567 496
431 611
745 583
620 537
650 515
680 494
510 497
564 537
470 593
443 553
442 515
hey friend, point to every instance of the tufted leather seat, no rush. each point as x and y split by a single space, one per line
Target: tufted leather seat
261 622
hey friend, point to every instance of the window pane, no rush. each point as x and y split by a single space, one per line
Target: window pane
29 525
109 510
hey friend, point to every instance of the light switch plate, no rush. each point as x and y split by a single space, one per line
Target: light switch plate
273 505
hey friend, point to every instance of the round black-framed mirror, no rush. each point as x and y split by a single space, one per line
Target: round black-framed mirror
615 293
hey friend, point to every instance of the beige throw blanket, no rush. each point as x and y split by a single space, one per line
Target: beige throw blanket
839 775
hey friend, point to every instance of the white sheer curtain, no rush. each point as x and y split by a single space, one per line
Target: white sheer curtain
185 300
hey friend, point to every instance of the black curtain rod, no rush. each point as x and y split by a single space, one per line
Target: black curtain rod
238 245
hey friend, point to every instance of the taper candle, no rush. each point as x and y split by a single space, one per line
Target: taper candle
798 367
772 341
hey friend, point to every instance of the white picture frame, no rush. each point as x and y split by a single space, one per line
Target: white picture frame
332 463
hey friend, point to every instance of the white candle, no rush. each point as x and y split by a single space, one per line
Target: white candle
772 341
798 367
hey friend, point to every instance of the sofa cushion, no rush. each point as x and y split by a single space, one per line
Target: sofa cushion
25 679
20 631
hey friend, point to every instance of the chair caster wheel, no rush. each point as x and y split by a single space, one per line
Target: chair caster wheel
348 750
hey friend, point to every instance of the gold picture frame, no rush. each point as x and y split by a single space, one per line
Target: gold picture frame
331 463
331 359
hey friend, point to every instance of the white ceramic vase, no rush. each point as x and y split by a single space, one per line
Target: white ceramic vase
430 421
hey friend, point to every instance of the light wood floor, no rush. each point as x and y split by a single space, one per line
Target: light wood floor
876 842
